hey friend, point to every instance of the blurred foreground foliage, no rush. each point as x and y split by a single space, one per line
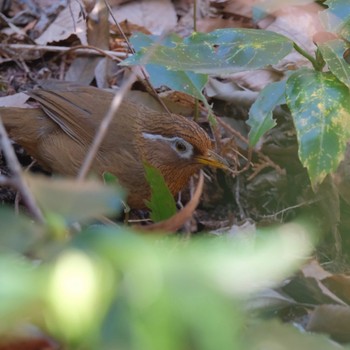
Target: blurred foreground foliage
109 287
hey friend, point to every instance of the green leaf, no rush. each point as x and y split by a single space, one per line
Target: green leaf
337 17
109 178
222 51
320 105
18 232
260 114
332 52
17 298
185 81
285 336
162 203
74 200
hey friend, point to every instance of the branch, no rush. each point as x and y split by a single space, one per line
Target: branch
17 179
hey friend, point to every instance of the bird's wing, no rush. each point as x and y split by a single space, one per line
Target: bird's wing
77 109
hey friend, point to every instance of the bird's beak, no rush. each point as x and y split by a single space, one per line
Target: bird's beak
214 160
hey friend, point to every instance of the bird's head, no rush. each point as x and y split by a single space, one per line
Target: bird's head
178 147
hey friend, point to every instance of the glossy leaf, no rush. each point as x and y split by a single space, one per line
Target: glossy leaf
185 81
337 17
320 105
162 203
332 52
260 114
219 52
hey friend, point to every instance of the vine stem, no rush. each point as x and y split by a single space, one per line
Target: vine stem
307 56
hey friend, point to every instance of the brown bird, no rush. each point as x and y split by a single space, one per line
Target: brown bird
59 133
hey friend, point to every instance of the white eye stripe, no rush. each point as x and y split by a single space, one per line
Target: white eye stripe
157 137
187 153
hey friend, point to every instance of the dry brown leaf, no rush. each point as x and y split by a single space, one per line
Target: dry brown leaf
331 319
177 102
69 21
314 270
299 23
207 25
156 16
180 218
339 285
83 69
128 28
239 7
16 100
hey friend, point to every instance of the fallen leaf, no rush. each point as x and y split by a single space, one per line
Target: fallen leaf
157 16
339 285
70 21
16 100
331 319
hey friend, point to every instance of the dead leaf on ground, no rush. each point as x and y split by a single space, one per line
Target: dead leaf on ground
157 16
16 100
69 21
84 69
339 285
310 291
333 320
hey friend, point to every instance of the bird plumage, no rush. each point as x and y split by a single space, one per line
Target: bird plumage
59 132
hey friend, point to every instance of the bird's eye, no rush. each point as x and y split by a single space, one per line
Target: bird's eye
180 146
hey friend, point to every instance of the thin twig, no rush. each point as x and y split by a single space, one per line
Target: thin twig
194 15
81 49
284 210
17 178
6 181
119 27
268 161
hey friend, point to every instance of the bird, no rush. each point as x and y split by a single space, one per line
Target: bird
59 132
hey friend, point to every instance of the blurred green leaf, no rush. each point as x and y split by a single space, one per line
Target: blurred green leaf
260 114
109 178
18 232
21 290
337 17
75 200
175 294
275 335
110 288
320 107
222 51
78 294
185 81
332 52
162 203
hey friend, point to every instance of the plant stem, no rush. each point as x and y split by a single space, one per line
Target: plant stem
194 15
307 55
